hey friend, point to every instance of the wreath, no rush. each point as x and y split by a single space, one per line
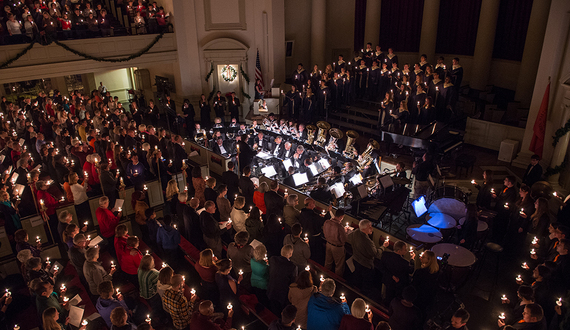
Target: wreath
229 74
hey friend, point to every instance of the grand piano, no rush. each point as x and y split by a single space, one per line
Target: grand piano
437 136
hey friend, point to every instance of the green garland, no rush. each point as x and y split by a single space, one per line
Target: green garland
560 133
210 73
246 95
243 74
89 57
20 54
557 169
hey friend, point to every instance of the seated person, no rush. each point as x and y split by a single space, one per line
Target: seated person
106 303
220 148
322 193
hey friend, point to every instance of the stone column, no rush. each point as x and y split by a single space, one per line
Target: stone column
318 33
188 73
429 29
559 153
532 49
484 44
372 27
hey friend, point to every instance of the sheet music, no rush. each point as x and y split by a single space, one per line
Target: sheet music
95 241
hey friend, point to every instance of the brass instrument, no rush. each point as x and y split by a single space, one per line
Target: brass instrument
366 158
311 129
322 134
349 150
336 135
200 136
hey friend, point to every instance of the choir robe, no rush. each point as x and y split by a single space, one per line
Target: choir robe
457 76
400 96
423 66
380 57
337 89
384 82
386 107
448 97
391 58
433 91
368 57
300 78
315 77
347 89
414 74
414 108
309 105
427 115
293 101
339 65
361 80
323 100
353 66
439 68
374 79
395 77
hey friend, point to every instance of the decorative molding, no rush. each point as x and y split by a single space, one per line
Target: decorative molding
241 25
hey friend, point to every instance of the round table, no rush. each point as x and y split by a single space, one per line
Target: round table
424 234
482 226
458 255
441 220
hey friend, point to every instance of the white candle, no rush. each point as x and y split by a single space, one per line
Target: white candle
192 291
502 316
559 302
230 306
308 268
519 278
504 297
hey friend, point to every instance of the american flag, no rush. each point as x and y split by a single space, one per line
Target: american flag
258 73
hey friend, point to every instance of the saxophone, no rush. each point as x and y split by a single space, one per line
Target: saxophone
366 158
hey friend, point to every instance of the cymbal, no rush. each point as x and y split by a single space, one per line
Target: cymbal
402 181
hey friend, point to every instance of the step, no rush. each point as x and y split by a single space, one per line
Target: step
355 127
372 113
357 118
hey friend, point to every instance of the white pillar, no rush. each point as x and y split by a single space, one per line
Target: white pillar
187 45
429 29
559 154
484 44
318 33
531 53
372 27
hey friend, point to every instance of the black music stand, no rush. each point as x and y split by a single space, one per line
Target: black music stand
396 208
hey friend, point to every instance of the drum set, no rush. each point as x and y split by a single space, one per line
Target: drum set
447 209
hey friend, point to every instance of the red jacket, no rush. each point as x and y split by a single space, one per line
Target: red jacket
49 202
107 222
120 247
91 170
131 261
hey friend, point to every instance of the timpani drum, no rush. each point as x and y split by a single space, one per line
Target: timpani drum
449 200
459 264
441 221
424 234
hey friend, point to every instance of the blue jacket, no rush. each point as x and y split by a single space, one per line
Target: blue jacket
325 313
106 306
168 237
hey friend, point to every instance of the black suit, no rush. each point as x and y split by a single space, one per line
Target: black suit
247 189
282 272
532 174
245 156
280 148
216 148
274 203
392 264
263 146
231 179
233 104
287 154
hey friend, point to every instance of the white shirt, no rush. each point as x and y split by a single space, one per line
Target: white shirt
79 193
13 27
276 151
222 149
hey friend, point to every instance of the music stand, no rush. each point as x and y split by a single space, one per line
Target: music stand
287 163
419 206
337 189
314 169
356 180
386 182
300 179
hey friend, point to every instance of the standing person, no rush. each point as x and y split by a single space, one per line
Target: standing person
211 228
76 254
109 183
227 285
335 235
94 272
234 104
301 249
203 320
131 260
223 204
260 273
219 103
505 204
246 186
168 239
199 185
364 252
148 280
290 212
404 315
422 171
396 270
299 294
312 223
136 172
241 254
273 201
245 153
325 312
205 111
231 180
207 269
425 280
459 319
48 204
484 197
359 319
176 304
106 303
80 198
282 272
238 215
533 171
188 115
107 222
287 321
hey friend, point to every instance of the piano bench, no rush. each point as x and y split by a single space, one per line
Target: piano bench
465 161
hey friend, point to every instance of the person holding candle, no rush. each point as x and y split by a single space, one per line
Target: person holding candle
254 224
301 251
238 214
299 294
506 197
525 295
131 260
48 207
94 272
148 280
136 172
241 253
359 319
34 269
467 233
325 311
21 237
537 224
199 185
396 269
70 231
287 321
484 197
211 228
120 242
47 298
227 285
204 318
207 269
459 319
168 239
76 254
106 303
335 235
533 318
108 221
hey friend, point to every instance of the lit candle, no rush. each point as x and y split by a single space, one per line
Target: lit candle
559 302
306 237
65 299
504 297
506 205
322 278
240 272
145 187
473 182
367 310
88 237
346 226
192 291
308 268
47 261
147 320
265 258
519 278
534 240
118 292
112 264
387 239
84 322
38 239
524 265
86 223
502 316
164 264
62 287
492 190
147 253
532 252
230 306
521 212
8 293
342 296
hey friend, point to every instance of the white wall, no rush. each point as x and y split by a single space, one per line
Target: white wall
118 82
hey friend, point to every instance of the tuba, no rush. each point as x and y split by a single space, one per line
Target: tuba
322 134
366 158
349 150
311 133
336 135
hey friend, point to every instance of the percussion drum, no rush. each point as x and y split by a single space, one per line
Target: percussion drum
424 234
450 206
449 192
458 255
482 226
441 221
